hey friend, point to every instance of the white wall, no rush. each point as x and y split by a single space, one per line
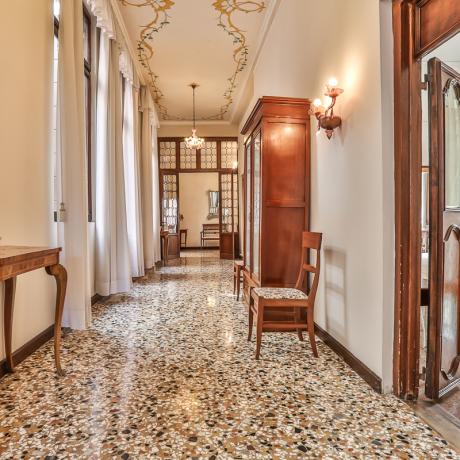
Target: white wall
25 203
352 174
194 204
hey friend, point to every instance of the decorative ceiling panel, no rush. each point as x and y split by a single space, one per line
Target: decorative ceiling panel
205 41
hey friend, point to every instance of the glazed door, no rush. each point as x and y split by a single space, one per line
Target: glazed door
443 360
169 196
228 208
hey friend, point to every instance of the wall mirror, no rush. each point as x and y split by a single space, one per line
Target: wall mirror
213 204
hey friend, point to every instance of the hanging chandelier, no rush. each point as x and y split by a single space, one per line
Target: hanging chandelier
194 142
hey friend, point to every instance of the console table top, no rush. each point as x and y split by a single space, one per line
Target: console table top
14 254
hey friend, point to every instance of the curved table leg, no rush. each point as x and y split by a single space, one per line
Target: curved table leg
60 275
10 288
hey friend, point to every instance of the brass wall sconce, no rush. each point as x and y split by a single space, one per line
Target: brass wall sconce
325 115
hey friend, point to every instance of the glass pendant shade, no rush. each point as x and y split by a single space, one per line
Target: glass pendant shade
194 142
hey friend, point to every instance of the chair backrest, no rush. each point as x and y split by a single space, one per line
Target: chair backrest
310 241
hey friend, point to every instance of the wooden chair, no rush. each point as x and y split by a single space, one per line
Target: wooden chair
292 298
237 277
209 232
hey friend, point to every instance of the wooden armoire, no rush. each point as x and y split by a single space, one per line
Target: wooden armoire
276 191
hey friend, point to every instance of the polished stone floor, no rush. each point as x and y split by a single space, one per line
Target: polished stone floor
166 372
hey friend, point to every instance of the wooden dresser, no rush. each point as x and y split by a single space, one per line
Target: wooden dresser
276 191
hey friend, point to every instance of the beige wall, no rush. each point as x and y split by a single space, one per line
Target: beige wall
352 174
194 203
25 196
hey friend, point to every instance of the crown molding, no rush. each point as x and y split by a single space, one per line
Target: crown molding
198 122
127 38
265 28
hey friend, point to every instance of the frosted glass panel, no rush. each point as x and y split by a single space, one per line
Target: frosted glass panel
247 223
256 238
452 145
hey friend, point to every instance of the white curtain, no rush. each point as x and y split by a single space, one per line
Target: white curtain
150 181
132 168
113 269
72 170
156 187
104 16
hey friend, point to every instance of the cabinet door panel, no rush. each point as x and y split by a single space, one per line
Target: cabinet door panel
285 163
282 245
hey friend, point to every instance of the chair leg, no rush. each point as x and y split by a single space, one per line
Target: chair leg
311 331
234 281
238 285
297 320
251 323
260 320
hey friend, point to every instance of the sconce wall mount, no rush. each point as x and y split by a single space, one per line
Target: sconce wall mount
325 115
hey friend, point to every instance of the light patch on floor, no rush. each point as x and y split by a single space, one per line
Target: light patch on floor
166 371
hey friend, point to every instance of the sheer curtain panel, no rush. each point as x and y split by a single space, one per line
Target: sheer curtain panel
150 180
112 261
72 173
131 169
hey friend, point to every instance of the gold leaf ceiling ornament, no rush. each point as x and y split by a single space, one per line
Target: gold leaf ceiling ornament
145 50
226 9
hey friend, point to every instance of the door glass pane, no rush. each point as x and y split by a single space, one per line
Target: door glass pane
187 157
167 155
169 205
256 237
228 154
209 155
247 224
452 145
226 201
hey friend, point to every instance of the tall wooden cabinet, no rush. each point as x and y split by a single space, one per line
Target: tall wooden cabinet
276 191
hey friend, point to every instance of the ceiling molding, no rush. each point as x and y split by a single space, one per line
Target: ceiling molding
266 25
198 122
129 44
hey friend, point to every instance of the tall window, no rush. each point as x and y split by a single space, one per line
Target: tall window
87 63
55 200
88 103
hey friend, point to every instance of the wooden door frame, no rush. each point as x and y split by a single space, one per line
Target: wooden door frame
414 37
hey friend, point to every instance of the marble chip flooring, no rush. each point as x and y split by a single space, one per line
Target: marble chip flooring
166 372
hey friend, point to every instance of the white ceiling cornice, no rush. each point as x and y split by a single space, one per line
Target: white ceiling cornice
129 44
268 20
198 122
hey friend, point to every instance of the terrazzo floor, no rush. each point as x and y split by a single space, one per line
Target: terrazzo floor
166 372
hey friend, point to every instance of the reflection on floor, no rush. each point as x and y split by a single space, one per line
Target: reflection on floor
166 372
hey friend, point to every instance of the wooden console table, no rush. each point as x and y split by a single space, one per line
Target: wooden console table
15 260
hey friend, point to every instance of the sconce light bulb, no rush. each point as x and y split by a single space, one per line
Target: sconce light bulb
235 164
317 103
333 82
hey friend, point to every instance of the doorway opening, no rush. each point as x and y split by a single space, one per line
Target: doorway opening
199 199
439 359
427 182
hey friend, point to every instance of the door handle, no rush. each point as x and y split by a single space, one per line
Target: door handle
452 228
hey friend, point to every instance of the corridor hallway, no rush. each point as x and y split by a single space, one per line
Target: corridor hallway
166 371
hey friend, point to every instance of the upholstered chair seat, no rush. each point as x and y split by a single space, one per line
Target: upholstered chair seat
274 293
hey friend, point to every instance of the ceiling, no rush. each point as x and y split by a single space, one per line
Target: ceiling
210 42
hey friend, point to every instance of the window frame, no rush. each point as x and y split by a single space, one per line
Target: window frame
87 75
